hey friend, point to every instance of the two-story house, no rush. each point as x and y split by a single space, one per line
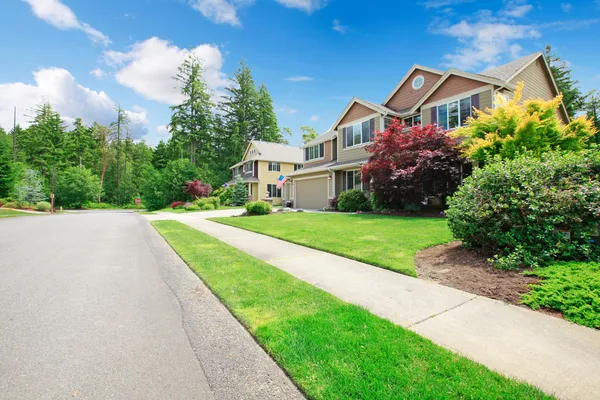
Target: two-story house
262 165
424 95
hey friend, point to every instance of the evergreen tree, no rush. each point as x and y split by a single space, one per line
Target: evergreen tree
79 145
239 195
268 130
6 167
118 127
30 188
572 97
592 110
191 121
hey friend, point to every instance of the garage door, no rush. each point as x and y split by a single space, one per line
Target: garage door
311 193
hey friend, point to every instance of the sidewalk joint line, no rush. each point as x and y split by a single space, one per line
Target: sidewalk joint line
440 313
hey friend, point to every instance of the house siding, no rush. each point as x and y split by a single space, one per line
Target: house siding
485 101
354 153
406 96
270 177
452 86
357 111
322 160
538 84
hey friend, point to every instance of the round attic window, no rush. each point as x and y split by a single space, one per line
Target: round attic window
418 82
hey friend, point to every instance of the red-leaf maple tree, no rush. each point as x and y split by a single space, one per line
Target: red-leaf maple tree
197 189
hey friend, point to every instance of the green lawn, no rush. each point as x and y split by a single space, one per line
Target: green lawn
570 287
182 211
385 241
331 349
14 213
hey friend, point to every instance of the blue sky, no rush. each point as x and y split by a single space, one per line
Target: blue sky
313 55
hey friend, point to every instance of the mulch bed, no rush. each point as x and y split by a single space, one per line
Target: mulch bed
466 269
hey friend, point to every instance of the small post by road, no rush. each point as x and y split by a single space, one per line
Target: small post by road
52 210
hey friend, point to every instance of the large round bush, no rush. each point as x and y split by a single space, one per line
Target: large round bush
530 211
75 186
353 200
258 208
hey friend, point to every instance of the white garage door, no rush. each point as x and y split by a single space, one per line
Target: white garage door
311 193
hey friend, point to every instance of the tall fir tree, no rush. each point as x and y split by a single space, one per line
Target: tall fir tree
119 127
79 145
192 120
6 165
268 130
572 97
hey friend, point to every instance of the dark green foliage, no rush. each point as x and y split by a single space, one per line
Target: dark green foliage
6 165
572 98
153 195
76 186
353 200
515 208
174 177
572 288
239 193
43 206
258 208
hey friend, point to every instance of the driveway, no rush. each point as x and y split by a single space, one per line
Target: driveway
97 306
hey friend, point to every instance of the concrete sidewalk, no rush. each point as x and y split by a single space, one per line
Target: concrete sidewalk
559 357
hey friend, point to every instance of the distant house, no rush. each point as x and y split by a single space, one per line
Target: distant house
424 95
262 165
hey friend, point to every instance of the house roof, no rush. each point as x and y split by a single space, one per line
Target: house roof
508 71
246 179
268 151
323 137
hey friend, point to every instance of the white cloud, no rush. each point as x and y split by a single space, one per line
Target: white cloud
305 5
566 7
338 27
444 3
314 118
516 9
149 66
98 73
162 130
62 17
300 79
220 11
286 110
71 100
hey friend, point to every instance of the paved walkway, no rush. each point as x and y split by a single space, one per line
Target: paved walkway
559 357
98 306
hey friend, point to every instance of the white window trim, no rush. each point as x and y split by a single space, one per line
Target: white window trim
313 159
273 170
457 97
414 79
357 121
448 113
346 179
281 189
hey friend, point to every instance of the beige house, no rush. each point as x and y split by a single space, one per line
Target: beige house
262 165
424 95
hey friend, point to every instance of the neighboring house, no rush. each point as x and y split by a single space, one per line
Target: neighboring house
425 95
262 165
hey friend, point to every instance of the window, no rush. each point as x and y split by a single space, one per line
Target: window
418 82
250 166
359 133
454 114
298 166
274 166
412 121
353 180
314 152
273 190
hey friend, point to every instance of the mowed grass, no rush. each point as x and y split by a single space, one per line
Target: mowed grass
331 349
183 211
570 287
14 213
385 241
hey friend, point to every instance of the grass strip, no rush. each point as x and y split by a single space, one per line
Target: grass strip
384 241
570 287
14 213
331 349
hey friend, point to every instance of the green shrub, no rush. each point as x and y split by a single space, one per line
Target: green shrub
353 200
517 209
91 205
258 208
153 195
76 186
572 288
224 194
43 206
12 204
216 202
3 202
192 207
24 204
207 206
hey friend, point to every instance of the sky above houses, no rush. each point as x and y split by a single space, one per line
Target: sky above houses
313 55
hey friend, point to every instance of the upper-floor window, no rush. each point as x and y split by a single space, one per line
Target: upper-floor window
274 166
315 152
418 82
454 114
298 166
359 133
412 121
249 166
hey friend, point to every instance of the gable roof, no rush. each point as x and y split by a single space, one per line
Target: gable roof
408 74
508 71
323 137
268 151
373 106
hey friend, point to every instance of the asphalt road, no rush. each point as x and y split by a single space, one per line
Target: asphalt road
98 306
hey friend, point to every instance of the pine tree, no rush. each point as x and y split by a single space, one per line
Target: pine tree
572 97
191 121
239 195
79 144
6 168
118 127
268 129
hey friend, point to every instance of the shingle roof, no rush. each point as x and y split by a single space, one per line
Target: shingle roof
278 152
506 71
323 137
